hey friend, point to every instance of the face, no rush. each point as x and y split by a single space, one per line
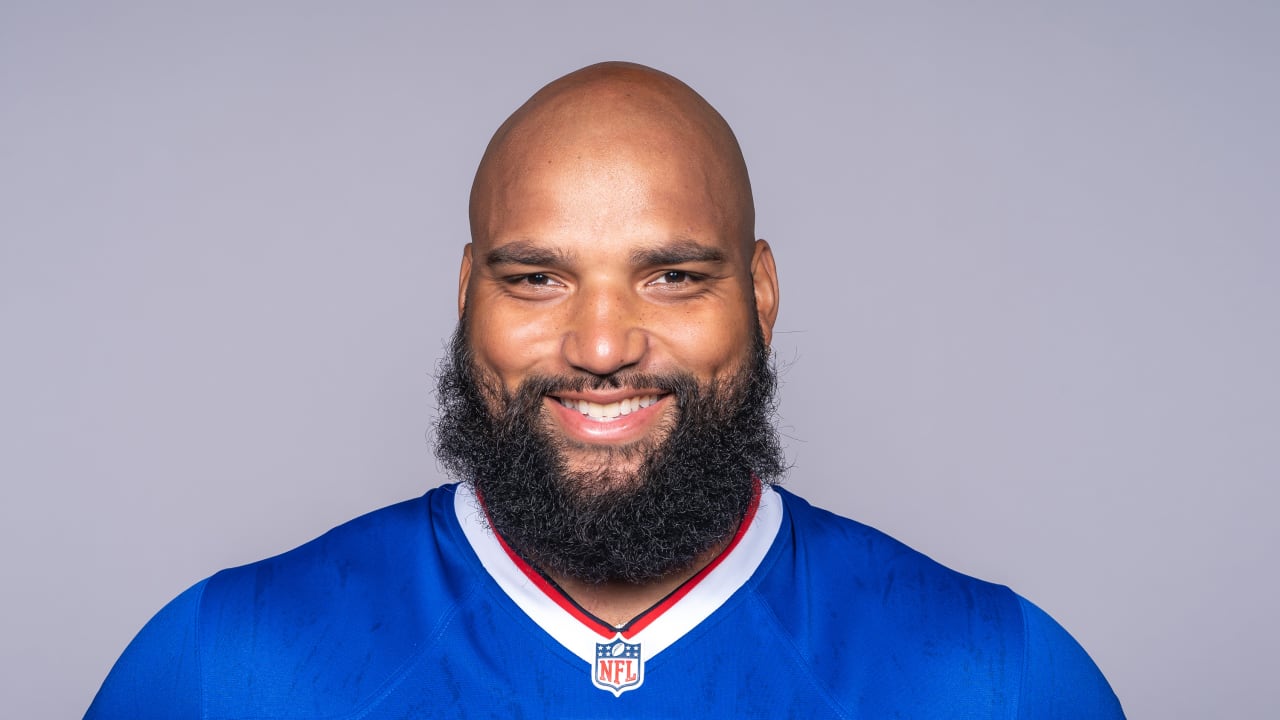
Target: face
602 267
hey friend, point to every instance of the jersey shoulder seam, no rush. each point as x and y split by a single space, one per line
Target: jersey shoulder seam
1022 666
199 654
797 657
399 674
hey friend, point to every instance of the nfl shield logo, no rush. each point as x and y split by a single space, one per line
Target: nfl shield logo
618 666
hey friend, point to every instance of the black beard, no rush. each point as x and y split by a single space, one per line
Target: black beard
690 492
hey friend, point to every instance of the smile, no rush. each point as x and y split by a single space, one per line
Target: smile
609 411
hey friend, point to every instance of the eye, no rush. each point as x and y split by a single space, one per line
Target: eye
673 277
678 282
533 285
540 280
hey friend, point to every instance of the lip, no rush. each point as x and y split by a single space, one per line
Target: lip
612 396
620 430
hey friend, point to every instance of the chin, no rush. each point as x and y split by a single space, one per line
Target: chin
603 474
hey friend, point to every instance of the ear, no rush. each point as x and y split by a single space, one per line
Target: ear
764 279
464 279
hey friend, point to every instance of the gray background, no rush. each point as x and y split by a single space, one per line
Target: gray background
1028 254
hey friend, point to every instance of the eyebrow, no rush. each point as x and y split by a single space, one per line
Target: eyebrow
525 252
678 252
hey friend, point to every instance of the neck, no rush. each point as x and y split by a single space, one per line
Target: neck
617 603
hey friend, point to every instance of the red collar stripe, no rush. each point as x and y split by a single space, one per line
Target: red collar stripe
648 616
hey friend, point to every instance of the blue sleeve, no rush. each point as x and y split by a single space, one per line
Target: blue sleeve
1059 679
158 676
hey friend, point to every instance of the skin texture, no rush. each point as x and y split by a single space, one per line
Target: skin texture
612 234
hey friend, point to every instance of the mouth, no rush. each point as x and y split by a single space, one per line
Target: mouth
609 412
617 417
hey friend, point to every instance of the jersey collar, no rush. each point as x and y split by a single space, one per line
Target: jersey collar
671 619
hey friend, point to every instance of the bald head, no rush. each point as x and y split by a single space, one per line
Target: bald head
608 114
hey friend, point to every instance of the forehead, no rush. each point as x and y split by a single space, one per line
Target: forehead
607 187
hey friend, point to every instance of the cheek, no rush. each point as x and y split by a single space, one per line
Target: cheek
708 347
511 346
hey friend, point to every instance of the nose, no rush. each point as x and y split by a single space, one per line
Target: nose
605 333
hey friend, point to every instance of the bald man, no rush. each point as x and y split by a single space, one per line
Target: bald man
616 544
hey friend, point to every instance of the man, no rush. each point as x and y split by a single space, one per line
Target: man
616 546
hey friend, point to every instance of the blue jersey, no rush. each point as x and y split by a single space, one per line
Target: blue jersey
419 611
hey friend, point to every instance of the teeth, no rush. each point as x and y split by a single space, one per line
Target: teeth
610 411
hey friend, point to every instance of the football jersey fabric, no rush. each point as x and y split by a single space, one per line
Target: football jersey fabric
418 611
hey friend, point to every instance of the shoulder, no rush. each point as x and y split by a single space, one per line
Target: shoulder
857 558
368 589
342 612
369 550
157 675
860 571
876 613
1059 678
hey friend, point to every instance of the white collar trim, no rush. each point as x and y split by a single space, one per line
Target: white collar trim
580 639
